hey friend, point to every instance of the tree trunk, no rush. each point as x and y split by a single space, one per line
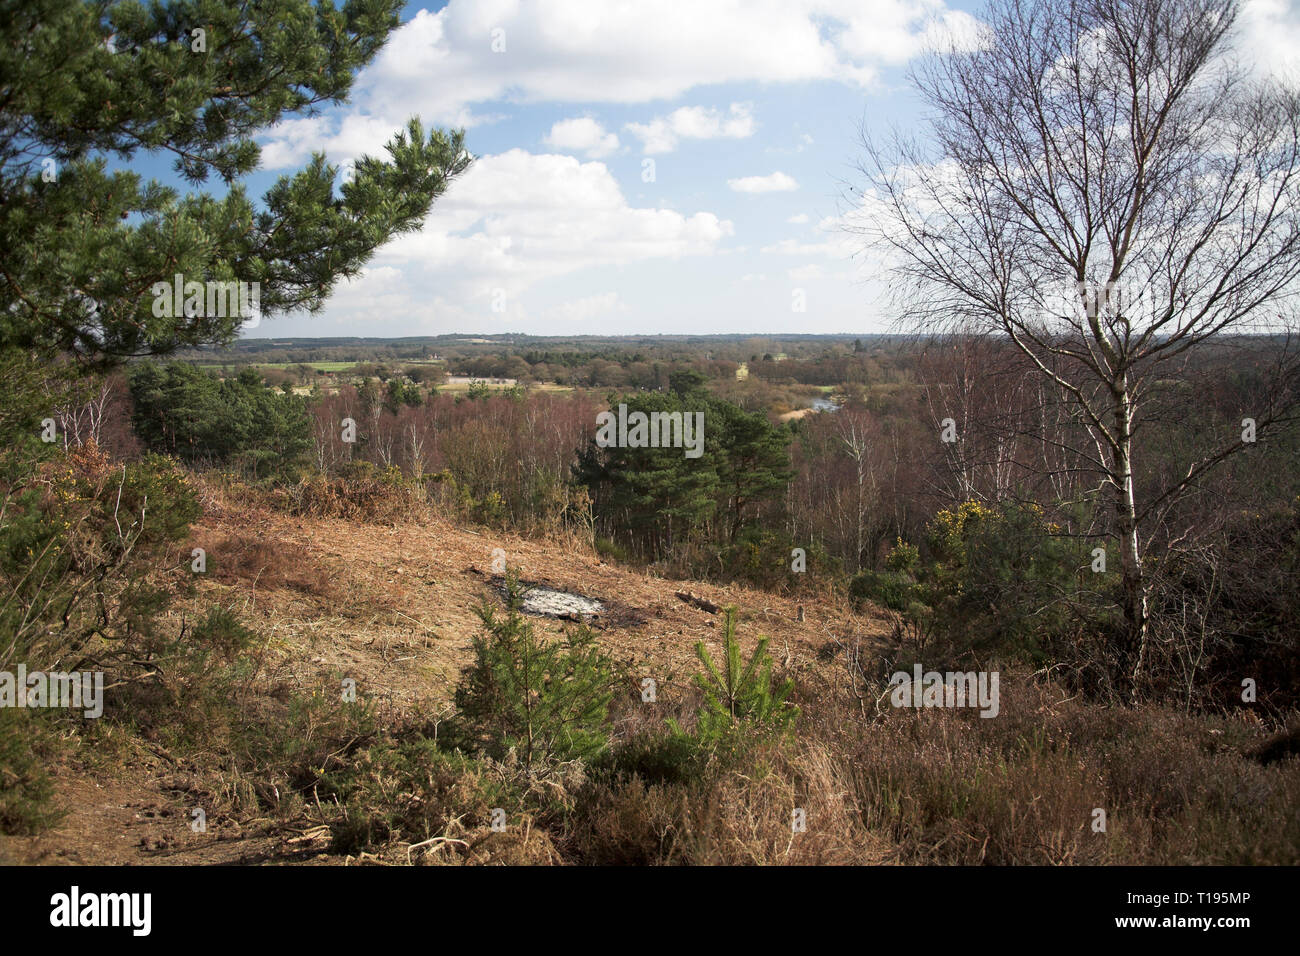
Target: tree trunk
1133 582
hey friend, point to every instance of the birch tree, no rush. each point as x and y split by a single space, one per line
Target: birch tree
1105 185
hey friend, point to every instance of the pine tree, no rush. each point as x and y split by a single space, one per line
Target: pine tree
657 495
187 412
545 701
85 246
740 693
752 460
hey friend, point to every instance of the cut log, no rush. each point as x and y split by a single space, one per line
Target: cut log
704 604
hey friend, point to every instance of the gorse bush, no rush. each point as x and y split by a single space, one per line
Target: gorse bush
26 790
410 790
761 557
992 582
89 552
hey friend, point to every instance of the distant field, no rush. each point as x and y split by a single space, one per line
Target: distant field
462 385
319 366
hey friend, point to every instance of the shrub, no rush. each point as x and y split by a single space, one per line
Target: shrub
761 557
740 694
611 550
83 527
26 791
546 702
410 790
998 584
360 494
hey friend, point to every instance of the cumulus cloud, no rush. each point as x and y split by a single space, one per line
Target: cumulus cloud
517 218
1269 32
777 182
893 33
838 237
662 134
582 134
445 65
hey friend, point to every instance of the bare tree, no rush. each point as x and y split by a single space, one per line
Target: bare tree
1105 187
857 434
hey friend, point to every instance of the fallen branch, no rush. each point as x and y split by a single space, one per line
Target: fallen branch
436 842
702 603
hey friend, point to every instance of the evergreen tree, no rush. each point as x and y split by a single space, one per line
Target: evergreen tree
184 411
85 245
740 692
544 701
752 460
655 495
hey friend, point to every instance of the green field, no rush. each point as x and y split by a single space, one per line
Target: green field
317 366
321 366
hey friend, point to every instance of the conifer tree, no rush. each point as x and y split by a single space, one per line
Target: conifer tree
740 692
85 245
752 461
543 700
182 410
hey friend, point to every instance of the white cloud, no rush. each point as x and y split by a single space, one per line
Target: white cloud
517 218
582 134
777 182
838 241
845 252
1270 35
892 33
662 134
442 67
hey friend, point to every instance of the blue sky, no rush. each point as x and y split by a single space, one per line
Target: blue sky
749 111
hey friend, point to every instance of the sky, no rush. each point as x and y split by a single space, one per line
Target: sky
642 166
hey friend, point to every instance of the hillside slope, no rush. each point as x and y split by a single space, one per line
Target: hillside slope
393 608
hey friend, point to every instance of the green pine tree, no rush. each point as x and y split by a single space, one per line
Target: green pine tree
84 245
752 460
740 693
657 496
546 701
187 412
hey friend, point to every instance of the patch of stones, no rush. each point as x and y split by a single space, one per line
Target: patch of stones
548 602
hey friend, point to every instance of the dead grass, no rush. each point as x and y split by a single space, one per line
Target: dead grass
393 608
257 562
